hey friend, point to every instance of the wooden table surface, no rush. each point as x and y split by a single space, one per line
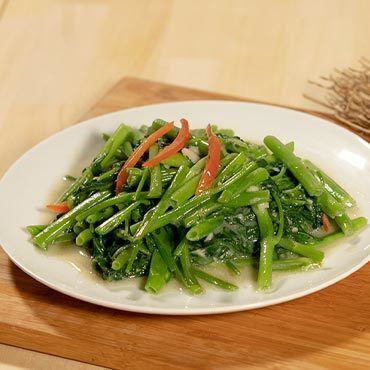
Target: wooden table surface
57 58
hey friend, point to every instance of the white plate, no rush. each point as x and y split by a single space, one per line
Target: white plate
34 180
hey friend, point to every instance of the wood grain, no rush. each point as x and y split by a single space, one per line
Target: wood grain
15 358
58 57
326 330
152 93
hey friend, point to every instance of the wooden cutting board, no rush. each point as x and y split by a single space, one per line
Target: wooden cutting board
327 329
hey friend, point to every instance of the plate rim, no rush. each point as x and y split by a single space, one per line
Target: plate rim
325 121
192 311
186 311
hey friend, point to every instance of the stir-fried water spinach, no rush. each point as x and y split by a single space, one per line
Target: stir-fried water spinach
165 202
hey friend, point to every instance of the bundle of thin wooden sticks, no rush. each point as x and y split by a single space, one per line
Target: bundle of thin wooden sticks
347 95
